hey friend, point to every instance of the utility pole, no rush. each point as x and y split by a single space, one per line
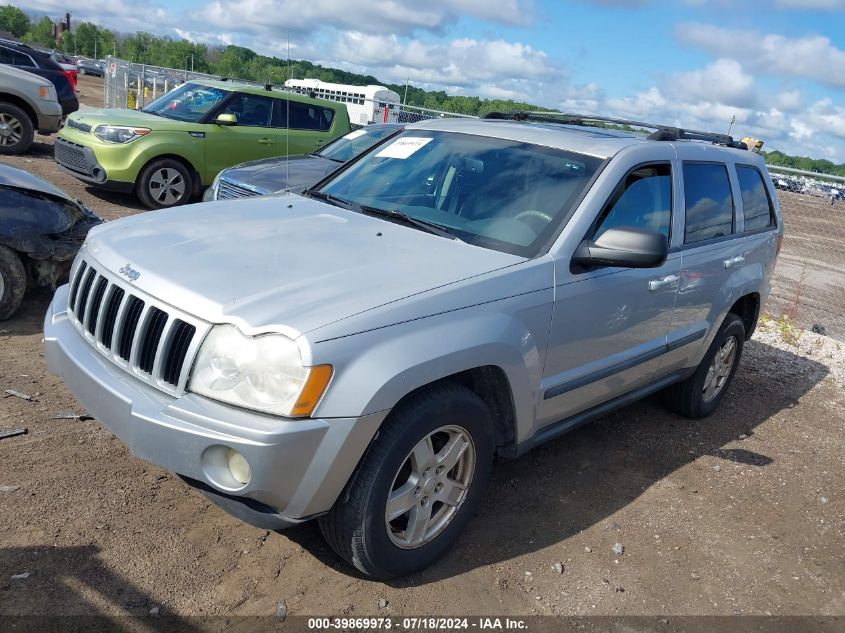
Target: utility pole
405 99
733 120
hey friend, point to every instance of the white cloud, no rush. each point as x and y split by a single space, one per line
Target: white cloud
489 68
789 100
723 81
812 57
379 16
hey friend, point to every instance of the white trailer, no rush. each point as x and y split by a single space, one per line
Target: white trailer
366 104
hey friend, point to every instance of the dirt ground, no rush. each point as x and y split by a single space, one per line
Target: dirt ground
741 513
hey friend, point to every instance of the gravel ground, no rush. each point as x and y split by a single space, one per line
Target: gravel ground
640 513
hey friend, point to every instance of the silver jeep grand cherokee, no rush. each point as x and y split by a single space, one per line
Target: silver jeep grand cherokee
466 289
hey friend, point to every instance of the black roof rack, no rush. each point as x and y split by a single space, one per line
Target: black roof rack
661 132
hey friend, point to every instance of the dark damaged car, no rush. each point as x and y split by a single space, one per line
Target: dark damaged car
41 230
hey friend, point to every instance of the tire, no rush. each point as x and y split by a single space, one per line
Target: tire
693 397
81 71
357 526
160 174
16 130
12 282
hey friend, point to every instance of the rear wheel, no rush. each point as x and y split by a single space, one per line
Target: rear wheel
417 486
165 182
700 394
12 282
81 70
16 131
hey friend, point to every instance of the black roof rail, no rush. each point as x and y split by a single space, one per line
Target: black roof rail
661 132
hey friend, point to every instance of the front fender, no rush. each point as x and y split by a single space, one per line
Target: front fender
375 370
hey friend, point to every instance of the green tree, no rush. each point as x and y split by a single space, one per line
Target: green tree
14 21
41 33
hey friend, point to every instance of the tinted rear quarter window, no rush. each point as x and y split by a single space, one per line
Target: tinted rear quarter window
708 200
756 206
303 116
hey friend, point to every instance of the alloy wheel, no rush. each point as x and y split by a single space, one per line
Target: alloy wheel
720 369
167 186
430 487
11 130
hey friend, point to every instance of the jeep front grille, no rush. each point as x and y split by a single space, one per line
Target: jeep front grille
229 191
149 339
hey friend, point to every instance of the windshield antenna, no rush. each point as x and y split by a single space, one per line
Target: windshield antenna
287 126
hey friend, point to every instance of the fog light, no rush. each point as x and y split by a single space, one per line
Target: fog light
238 467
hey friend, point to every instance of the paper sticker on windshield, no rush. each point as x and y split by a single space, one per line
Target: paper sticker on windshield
355 134
403 147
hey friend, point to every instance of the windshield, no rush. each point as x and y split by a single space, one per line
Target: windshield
500 194
349 146
188 102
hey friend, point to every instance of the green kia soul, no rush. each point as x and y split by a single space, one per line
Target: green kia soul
177 144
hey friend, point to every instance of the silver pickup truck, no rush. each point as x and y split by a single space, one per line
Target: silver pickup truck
28 102
465 289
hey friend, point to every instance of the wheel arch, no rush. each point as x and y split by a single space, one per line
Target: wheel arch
747 308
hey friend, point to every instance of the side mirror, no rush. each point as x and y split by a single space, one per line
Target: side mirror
226 119
625 247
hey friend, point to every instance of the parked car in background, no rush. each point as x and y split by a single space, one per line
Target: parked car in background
42 64
177 144
68 65
467 289
295 173
89 67
41 230
27 103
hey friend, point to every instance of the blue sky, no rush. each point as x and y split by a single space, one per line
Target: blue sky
778 66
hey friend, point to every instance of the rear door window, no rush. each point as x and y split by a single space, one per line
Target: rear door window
303 116
756 205
642 200
708 201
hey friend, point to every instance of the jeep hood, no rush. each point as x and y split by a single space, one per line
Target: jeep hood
281 263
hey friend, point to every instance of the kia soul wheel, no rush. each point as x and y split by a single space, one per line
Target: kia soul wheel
417 486
164 183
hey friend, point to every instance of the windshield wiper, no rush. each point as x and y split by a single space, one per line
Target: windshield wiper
424 225
338 202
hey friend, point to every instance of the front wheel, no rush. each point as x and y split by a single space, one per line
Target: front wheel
417 486
16 130
700 394
164 183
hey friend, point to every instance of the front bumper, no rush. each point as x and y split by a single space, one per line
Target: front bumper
299 467
49 119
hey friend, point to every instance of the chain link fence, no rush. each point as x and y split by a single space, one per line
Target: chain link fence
808 287
130 85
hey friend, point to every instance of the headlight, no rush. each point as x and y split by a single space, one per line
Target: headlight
119 133
257 372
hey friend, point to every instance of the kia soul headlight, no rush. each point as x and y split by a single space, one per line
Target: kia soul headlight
264 373
119 133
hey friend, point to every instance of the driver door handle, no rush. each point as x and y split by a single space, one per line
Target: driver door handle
734 261
662 282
